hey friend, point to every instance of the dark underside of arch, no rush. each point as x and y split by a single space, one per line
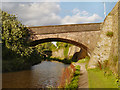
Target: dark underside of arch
36 42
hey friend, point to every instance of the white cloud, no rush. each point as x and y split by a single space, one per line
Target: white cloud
76 11
35 13
80 17
45 13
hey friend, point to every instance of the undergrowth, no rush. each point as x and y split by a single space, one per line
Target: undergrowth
75 79
86 59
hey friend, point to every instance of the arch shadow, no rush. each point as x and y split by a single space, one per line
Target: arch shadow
36 42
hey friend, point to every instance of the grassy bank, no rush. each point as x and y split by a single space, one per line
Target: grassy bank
75 79
99 79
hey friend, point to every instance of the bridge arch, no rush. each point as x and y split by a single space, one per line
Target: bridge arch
84 49
84 36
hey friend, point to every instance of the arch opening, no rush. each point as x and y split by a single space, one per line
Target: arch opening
84 49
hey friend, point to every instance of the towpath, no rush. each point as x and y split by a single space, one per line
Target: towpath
83 79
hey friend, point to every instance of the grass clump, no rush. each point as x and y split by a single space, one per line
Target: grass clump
109 33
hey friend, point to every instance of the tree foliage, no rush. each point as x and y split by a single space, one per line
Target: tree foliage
63 45
16 53
14 34
45 46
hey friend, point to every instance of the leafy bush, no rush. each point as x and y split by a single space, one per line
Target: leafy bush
77 67
14 34
77 73
16 53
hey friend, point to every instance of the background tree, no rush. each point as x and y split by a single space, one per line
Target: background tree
14 35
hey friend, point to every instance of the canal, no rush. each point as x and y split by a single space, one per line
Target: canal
45 74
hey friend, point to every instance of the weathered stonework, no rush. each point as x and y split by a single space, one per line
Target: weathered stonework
107 47
60 53
82 35
102 49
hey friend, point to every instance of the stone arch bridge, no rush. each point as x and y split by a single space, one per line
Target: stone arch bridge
84 36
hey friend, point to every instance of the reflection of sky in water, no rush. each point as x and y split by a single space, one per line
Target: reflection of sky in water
41 75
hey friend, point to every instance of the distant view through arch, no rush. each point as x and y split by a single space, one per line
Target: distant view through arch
84 51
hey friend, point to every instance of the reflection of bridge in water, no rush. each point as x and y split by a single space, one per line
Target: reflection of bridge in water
84 36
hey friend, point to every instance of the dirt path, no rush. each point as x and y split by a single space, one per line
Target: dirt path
83 80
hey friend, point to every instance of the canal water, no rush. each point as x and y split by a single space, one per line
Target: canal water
45 74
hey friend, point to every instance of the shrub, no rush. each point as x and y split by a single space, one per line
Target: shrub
86 59
77 73
14 35
109 33
77 67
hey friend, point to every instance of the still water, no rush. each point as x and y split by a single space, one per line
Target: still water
45 74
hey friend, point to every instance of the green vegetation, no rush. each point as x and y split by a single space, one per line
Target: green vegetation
85 60
100 79
45 46
65 46
42 48
75 79
66 52
62 45
109 33
16 53
66 61
15 35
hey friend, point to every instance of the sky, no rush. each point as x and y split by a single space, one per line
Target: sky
58 13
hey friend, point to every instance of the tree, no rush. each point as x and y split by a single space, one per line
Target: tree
14 34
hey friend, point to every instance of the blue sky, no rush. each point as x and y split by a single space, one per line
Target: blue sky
92 7
58 13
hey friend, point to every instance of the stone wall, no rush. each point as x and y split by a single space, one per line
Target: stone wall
53 29
107 47
113 59
60 53
81 35
81 39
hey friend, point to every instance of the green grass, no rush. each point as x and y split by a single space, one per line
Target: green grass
75 79
97 79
